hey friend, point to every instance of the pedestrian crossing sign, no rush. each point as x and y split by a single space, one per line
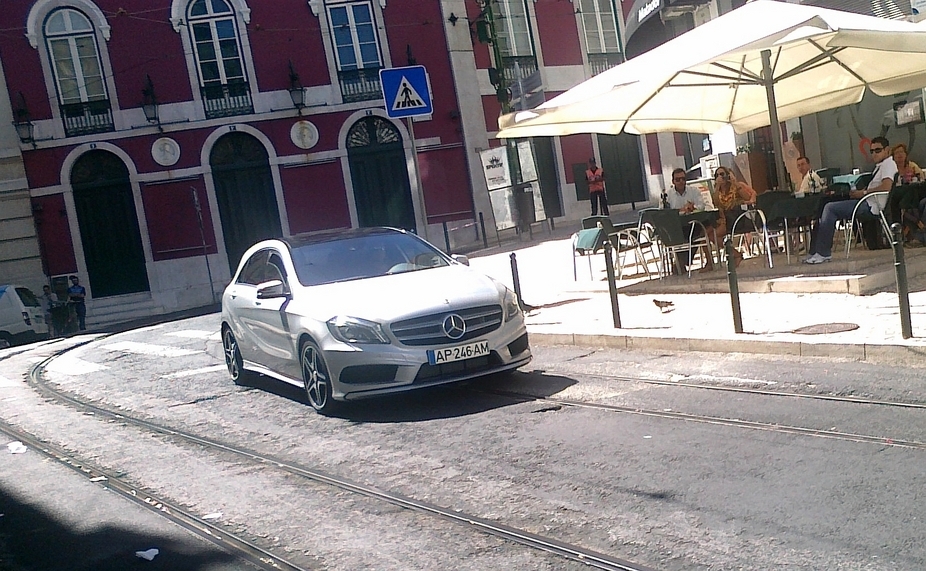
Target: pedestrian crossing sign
406 91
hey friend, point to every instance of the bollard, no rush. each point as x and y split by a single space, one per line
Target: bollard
612 286
734 287
900 272
482 228
446 237
516 280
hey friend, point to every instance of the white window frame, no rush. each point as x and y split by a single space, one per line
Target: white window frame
603 21
211 19
504 28
355 40
71 37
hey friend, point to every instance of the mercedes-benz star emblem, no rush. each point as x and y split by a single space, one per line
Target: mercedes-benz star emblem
454 326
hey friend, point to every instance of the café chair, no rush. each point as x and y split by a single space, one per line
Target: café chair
672 237
625 239
752 224
587 243
788 214
878 203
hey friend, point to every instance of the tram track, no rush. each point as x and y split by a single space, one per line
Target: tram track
255 554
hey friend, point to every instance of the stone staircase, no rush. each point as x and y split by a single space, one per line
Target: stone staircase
120 308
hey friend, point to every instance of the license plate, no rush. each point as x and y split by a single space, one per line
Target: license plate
458 353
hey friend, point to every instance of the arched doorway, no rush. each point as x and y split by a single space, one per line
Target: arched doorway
108 225
244 194
382 193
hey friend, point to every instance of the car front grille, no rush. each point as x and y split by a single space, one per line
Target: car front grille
457 368
428 330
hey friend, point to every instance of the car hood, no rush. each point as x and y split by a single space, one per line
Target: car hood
399 296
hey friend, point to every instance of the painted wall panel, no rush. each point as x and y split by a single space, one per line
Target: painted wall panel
173 226
51 221
445 178
315 197
559 36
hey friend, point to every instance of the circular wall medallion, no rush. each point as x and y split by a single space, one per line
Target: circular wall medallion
165 151
304 134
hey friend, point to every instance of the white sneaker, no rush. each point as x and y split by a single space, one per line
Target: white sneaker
818 259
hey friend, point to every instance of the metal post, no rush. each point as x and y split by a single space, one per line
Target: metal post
769 81
612 286
516 280
734 287
424 211
900 271
446 237
202 238
482 228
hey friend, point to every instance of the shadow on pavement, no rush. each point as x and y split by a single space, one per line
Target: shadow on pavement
430 403
31 539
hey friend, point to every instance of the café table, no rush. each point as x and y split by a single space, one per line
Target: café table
796 213
905 197
702 218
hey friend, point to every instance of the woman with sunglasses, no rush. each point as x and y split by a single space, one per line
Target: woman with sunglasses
729 196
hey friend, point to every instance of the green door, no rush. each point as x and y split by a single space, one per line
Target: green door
108 225
623 167
244 193
382 193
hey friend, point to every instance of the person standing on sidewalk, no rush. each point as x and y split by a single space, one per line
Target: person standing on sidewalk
595 177
821 244
77 295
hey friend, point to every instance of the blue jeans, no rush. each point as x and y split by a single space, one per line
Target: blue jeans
822 242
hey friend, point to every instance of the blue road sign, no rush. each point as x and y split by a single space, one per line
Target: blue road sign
407 91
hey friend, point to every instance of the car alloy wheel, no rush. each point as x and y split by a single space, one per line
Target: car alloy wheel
232 356
315 377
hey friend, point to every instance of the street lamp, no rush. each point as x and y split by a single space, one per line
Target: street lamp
149 103
296 91
23 123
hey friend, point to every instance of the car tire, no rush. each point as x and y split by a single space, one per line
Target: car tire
315 378
233 357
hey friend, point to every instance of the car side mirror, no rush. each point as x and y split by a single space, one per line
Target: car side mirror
460 258
272 289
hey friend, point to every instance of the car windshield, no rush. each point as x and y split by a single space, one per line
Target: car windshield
28 298
363 257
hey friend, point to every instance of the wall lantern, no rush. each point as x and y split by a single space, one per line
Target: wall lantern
149 103
23 122
296 91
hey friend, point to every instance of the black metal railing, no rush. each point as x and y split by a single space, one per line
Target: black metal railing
360 84
87 117
227 100
525 65
601 62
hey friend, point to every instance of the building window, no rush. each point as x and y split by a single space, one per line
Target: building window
216 46
514 39
75 59
601 36
357 50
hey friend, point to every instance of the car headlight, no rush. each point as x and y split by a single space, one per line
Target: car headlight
510 303
356 330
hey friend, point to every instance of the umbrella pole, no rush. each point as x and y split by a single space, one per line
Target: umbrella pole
773 118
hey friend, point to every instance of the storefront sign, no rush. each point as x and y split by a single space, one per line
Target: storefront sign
495 167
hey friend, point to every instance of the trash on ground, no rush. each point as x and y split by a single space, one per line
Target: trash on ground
215 515
147 555
16 447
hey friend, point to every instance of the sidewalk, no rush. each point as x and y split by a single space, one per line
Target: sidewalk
774 304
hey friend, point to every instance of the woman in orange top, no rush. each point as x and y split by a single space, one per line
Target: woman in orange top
729 196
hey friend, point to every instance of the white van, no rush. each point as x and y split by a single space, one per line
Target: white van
22 319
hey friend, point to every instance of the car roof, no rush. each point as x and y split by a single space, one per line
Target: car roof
336 235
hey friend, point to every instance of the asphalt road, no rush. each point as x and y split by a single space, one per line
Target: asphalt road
671 493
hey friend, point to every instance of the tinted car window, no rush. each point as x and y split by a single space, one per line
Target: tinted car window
254 270
275 268
363 257
28 298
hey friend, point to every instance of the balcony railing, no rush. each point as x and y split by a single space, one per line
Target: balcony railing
515 65
601 62
87 117
227 100
360 84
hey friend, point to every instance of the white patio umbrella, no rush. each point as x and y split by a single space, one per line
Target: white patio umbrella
762 63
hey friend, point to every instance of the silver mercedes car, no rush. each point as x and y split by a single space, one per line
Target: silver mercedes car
364 312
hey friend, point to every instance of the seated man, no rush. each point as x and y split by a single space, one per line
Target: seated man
686 199
821 246
811 183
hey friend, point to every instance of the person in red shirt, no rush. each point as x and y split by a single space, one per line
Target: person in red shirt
595 177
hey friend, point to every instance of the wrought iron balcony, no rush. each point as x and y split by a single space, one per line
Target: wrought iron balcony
515 65
360 84
87 117
601 62
227 100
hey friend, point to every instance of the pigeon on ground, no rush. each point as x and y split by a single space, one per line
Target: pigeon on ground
664 306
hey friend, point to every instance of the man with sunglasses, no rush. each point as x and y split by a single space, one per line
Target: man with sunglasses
882 179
